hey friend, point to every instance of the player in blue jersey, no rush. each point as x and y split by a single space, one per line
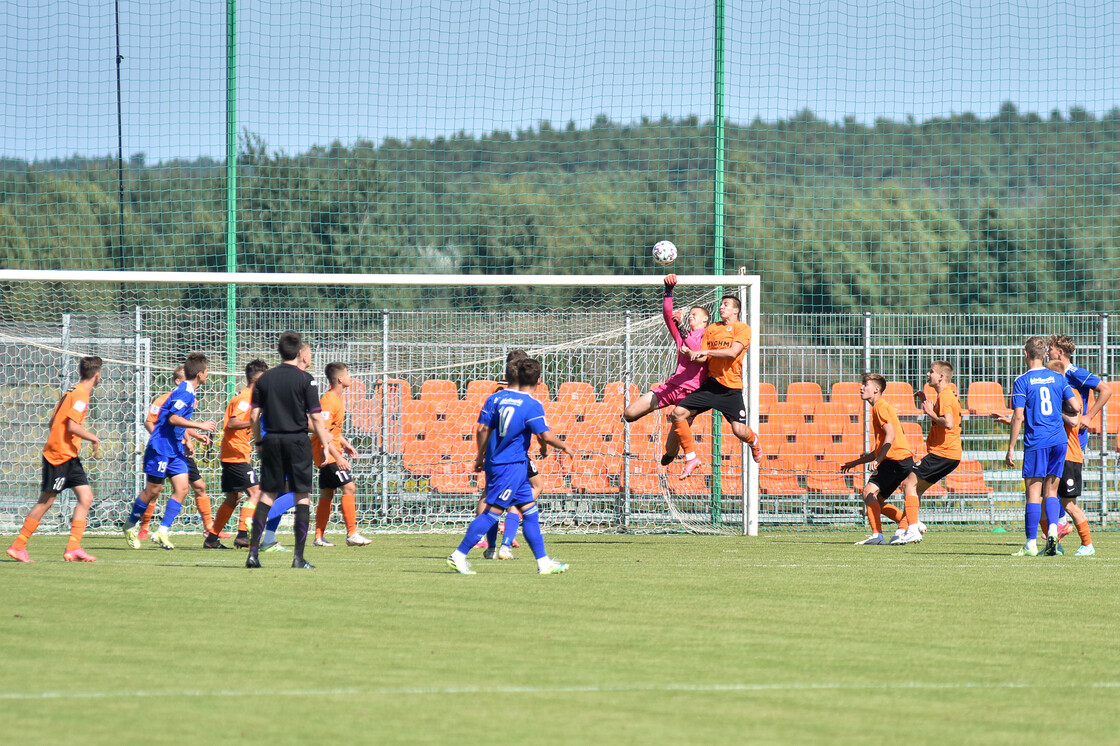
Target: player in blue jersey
1037 399
508 421
166 457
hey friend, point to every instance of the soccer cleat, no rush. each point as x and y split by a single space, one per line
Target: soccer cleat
252 560
481 543
213 542
505 553
1051 547
460 566
1064 530
321 542
756 449
132 536
553 568
357 540
20 555
1026 551
896 537
514 544
913 535
666 459
161 539
274 546
241 542
689 467
1085 550
225 535
1059 549
142 535
874 539
489 554
299 563
78 555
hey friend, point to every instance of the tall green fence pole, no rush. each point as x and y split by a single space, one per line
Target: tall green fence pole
231 192
717 241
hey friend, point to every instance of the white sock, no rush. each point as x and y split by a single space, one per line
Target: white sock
899 532
269 537
1032 544
690 456
877 535
543 562
457 555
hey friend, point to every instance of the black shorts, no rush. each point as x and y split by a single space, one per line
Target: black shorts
532 470
193 474
1070 486
714 395
238 477
331 477
934 468
286 460
65 476
890 474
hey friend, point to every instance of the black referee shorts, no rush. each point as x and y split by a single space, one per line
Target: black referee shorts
286 458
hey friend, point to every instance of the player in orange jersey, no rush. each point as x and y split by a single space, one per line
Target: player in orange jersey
153 489
723 347
943 446
892 461
62 468
334 469
238 474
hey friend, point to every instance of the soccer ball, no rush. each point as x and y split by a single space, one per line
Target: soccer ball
664 252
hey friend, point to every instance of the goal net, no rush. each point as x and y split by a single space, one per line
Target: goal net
424 351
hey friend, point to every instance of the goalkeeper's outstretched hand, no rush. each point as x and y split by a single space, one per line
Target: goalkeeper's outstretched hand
670 283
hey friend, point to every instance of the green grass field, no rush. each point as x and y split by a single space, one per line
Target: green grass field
788 638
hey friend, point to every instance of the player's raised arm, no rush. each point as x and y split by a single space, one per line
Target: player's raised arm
667 310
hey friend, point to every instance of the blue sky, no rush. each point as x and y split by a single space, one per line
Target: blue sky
313 72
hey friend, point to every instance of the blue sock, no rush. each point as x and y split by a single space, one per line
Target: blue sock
281 505
137 513
1033 514
170 513
1053 507
492 535
509 528
479 526
531 527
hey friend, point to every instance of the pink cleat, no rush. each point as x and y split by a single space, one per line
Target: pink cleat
78 555
482 544
756 449
19 555
516 545
1064 530
689 466
143 534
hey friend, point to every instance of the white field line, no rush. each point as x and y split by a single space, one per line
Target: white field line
559 689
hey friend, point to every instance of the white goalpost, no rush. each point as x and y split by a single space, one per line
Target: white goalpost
422 349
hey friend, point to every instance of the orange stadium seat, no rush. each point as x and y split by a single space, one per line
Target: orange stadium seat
767 397
614 394
794 456
986 397
806 394
542 393
917 440
846 394
777 482
644 477
900 395
477 391
834 418
454 479
931 392
573 391
813 441
435 389
825 478
785 418
968 478
421 456
399 388
591 473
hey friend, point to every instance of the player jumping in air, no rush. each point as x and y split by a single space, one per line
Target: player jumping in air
510 418
62 468
335 474
685 379
723 347
892 461
166 455
1036 400
238 474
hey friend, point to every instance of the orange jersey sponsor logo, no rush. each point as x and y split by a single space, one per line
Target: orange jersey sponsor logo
62 446
237 444
334 414
881 413
941 441
728 371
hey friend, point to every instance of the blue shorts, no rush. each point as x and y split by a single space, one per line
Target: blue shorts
507 484
158 467
1044 462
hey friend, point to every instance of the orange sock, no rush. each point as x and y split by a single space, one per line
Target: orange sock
202 502
912 503
147 517
874 517
750 434
29 526
891 512
77 528
684 435
224 512
350 514
1043 525
246 516
1083 532
322 516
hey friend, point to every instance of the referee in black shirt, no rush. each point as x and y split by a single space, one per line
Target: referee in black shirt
285 398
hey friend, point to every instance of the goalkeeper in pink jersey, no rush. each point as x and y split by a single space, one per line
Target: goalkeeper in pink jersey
689 373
